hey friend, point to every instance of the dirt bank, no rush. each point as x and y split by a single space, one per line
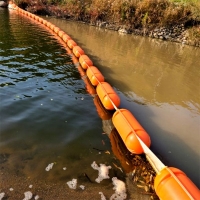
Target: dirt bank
161 19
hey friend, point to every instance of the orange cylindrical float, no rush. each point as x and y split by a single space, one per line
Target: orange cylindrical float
56 29
128 126
36 17
94 75
85 61
78 51
14 6
44 22
71 43
167 187
19 9
52 26
40 20
48 24
66 37
61 33
29 14
107 94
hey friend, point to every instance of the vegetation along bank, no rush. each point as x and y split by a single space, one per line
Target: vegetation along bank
173 20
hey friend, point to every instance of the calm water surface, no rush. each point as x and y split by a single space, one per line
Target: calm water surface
46 114
158 81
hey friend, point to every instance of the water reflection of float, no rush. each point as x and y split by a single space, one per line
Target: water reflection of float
170 183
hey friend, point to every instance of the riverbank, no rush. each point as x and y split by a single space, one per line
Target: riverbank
162 19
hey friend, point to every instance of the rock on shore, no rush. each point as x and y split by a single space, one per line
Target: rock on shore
177 33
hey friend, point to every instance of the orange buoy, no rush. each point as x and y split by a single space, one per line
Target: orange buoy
48 24
78 51
107 94
127 126
36 17
94 75
56 29
61 33
28 14
32 16
44 22
66 37
52 26
167 187
85 61
14 6
71 43
40 20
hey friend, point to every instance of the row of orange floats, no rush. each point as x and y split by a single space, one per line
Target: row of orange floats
170 183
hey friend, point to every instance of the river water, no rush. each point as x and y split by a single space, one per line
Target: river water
158 81
47 116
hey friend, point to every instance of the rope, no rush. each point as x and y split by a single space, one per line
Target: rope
151 157
149 154
178 181
147 151
145 148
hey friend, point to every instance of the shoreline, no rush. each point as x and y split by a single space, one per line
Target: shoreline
185 31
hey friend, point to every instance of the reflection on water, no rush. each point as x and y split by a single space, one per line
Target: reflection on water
134 63
46 114
157 81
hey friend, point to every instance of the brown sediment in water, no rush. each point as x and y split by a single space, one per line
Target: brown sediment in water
140 174
46 190
14 187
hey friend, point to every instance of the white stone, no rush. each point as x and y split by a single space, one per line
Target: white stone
82 187
50 166
28 195
2 195
72 184
102 196
103 171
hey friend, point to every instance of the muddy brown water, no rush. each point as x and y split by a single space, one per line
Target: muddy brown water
48 117
158 81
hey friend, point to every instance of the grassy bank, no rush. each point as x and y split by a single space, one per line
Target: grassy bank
133 14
